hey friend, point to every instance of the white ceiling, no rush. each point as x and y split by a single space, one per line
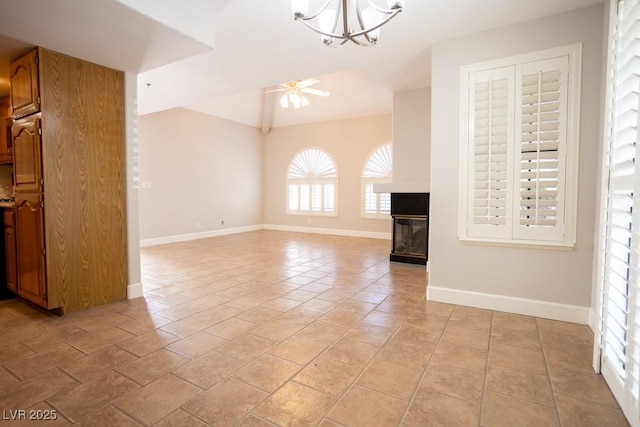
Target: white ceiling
257 45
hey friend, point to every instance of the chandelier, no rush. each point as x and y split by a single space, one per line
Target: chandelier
340 21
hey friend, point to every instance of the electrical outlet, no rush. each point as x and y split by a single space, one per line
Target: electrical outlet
222 222
197 225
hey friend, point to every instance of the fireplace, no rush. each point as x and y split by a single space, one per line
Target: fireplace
410 240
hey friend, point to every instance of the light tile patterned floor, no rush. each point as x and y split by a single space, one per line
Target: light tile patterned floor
273 328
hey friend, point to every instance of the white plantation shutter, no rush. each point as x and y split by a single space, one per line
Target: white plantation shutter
519 148
377 169
619 343
541 129
329 197
304 197
312 183
294 199
313 163
370 207
490 148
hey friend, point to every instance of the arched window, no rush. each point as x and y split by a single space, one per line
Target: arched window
377 169
312 184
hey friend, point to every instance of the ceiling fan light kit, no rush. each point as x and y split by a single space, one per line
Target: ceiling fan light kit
340 21
294 99
294 93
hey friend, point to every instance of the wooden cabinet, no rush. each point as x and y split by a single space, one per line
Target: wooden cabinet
27 165
10 249
6 153
69 173
30 247
24 87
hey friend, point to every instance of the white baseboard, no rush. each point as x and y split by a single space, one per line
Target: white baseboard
296 229
528 307
330 231
134 290
201 235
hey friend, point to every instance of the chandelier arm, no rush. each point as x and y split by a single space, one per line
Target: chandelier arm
356 41
335 21
375 27
361 23
345 18
324 33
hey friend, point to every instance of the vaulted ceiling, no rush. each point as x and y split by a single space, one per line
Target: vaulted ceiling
218 56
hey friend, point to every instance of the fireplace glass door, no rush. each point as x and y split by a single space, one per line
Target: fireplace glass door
410 236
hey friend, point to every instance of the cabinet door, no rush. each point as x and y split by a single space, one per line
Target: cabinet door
24 89
30 248
6 154
27 163
10 249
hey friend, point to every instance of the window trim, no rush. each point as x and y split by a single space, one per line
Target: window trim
574 52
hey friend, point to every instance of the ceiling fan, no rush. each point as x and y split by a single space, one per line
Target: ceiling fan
295 91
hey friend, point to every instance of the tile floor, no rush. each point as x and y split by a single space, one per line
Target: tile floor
273 328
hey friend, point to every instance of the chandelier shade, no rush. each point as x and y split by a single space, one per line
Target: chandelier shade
341 21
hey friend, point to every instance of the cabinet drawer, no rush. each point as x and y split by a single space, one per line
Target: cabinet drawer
9 217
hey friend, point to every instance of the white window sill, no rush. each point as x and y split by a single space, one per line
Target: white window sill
311 213
532 244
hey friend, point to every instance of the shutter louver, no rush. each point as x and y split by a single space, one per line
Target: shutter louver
490 156
620 243
542 133
490 140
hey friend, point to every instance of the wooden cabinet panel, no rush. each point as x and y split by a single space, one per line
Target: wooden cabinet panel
69 152
10 249
6 153
27 163
24 85
30 248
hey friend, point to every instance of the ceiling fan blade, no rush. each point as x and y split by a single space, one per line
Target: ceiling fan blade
306 82
314 91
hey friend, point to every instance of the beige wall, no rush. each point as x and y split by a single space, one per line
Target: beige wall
349 142
202 169
544 275
412 138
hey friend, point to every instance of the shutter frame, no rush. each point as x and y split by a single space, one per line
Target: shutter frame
564 236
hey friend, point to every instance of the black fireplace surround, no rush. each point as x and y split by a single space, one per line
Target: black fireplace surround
410 240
